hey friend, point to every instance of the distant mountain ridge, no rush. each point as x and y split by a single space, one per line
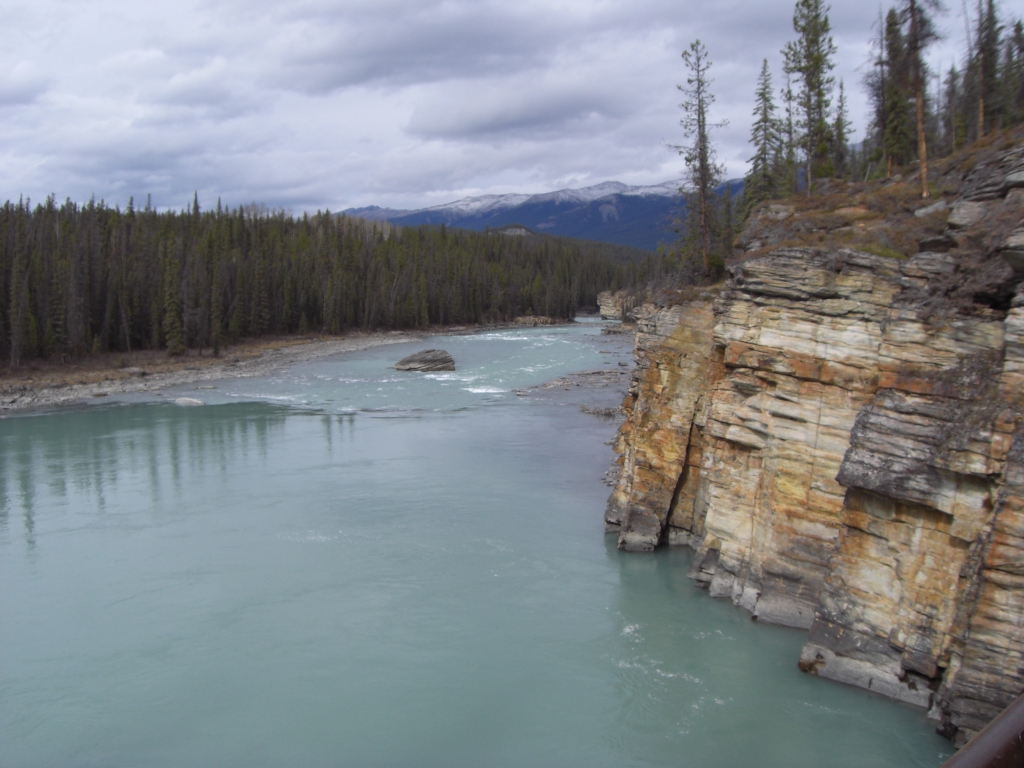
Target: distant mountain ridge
639 216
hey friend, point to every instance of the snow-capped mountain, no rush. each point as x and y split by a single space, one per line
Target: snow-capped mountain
610 211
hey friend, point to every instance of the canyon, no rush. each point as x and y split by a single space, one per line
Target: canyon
837 431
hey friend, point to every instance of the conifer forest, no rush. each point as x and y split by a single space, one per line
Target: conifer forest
80 279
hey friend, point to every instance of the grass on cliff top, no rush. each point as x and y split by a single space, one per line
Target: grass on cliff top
877 216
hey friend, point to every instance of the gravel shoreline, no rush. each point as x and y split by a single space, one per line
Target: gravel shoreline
27 397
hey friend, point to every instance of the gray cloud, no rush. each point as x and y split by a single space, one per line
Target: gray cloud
21 84
330 103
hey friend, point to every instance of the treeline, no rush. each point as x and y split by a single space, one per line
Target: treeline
80 279
983 94
801 133
915 114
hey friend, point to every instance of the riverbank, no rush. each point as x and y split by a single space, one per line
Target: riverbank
52 385
42 385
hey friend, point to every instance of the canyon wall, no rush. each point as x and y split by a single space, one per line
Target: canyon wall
839 436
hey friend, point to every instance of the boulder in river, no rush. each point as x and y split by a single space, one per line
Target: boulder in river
427 360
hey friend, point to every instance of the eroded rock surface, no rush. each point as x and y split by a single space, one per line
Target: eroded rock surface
614 305
839 436
427 360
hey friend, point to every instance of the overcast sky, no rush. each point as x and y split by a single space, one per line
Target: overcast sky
314 104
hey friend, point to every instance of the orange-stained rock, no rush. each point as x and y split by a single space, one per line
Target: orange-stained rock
673 365
840 437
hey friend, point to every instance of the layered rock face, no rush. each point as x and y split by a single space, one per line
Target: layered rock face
840 437
613 305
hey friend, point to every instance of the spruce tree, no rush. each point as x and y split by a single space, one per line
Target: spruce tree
1013 74
788 159
897 123
840 136
987 63
173 338
702 172
916 15
762 182
809 57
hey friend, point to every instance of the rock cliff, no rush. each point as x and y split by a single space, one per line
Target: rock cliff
614 305
838 433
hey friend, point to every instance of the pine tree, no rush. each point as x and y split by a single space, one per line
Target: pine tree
702 172
762 182
809 57
841 136
788 158
173 337
1013 74
897 124
916 15
954 126
874 83
987 50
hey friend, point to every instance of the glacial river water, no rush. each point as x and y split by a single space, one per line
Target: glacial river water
342 565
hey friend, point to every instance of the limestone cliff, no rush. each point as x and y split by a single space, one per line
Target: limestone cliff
614 305
839 434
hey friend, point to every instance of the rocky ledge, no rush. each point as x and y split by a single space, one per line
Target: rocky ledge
839 435
427 360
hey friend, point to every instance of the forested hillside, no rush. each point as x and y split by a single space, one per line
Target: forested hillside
83 279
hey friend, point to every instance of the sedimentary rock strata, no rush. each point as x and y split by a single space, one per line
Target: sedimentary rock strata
614 305
839 436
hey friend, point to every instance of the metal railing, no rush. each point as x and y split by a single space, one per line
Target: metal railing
1000 744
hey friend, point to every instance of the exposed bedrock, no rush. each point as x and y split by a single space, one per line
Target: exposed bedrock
838 436
615 305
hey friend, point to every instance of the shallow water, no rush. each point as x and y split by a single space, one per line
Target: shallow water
341 565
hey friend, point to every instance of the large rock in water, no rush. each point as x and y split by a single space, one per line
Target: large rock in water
427 360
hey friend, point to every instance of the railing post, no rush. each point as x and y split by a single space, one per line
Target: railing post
1000 744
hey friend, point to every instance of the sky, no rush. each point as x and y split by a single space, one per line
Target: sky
311 104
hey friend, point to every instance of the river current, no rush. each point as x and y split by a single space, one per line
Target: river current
344 565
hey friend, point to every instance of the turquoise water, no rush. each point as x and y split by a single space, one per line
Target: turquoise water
341 565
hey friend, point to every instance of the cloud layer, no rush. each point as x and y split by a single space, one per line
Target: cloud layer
404 103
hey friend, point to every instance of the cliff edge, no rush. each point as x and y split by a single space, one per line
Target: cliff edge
838 433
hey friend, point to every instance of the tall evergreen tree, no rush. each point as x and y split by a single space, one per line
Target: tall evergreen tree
841 136
954 119
809 57
702 172
917 16
987 64
897 122
173 337
762 182
1013 74
789 138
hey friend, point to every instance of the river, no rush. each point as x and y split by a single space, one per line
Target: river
344 565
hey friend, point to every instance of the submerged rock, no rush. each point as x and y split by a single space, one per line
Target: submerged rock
427 360
188 401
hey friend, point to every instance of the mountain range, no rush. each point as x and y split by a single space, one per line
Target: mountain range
609 212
